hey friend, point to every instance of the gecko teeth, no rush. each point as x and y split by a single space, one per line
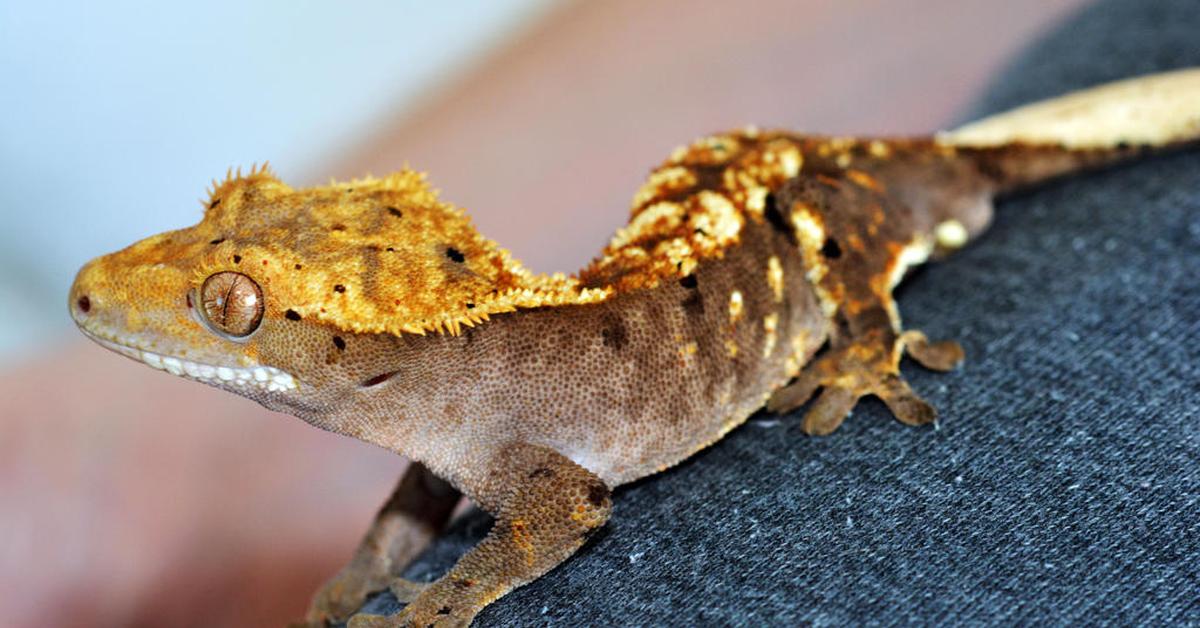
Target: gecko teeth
267 378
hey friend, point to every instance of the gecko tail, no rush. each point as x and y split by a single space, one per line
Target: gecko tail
1085 129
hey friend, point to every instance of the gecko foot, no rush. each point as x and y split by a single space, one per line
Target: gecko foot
869 365
440 611
348 591
341 595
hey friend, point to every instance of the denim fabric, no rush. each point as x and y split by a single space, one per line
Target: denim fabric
1062 484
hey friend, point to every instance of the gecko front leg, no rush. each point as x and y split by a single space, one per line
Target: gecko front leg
417 510
546 507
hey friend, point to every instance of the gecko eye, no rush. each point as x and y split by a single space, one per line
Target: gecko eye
231 303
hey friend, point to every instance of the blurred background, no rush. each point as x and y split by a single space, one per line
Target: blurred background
131 498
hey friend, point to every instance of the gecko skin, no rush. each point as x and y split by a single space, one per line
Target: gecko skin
757 269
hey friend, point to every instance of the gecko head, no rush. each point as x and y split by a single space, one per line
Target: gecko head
264 295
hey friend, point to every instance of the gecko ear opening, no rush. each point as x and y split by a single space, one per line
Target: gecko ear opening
231 304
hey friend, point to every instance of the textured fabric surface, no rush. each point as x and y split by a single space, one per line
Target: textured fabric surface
1063 481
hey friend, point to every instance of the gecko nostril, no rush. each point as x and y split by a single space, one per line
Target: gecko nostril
84 303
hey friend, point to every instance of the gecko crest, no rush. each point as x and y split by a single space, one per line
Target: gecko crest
367 255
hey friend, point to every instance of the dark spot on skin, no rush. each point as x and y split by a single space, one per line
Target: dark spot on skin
85 304
455 255
213 205
463 583
991 168
298 267
187 297
470 306
391 250
292 315
541 472
339 343
694 303
708 177
237 259
614 334
216 241
597 493
688 282
339 288
771 212
378 379
395 212
445 610
831 249
338 227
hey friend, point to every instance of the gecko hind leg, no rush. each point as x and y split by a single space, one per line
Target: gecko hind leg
866 365
858 239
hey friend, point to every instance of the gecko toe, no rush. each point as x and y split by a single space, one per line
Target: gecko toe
794 395
407 590
832 407
906 405
363 620
943 355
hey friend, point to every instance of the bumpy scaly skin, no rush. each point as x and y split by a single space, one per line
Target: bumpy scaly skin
746 253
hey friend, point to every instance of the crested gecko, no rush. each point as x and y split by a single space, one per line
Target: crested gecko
757 268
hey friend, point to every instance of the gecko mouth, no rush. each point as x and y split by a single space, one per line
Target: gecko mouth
266 378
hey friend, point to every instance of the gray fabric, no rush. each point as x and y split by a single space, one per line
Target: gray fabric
1063 482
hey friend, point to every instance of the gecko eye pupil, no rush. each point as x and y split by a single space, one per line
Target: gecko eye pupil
231 303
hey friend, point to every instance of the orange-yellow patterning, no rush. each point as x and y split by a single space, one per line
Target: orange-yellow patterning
382 255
